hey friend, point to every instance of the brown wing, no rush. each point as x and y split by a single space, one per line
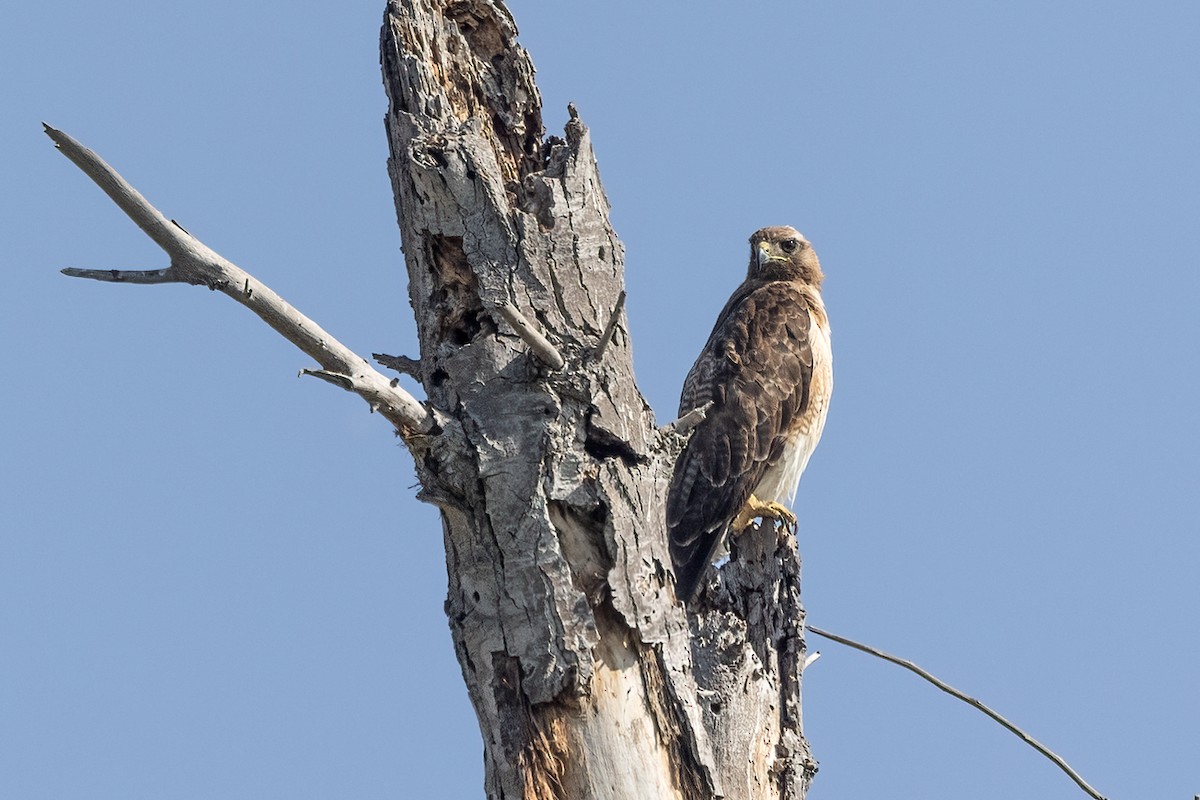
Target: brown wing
756 369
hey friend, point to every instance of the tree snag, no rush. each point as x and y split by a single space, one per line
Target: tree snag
589 679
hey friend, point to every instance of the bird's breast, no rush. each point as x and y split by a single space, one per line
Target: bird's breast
781 480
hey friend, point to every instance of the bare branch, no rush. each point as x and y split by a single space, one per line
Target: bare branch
537 342
611 327
142 276
164 233
948 689
193 262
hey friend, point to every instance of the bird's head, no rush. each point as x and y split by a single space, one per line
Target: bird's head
782 253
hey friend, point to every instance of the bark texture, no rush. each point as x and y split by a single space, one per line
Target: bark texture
588 678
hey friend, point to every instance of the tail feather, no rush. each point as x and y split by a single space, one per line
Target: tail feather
691 556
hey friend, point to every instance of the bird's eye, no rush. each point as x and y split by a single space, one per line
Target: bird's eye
789 245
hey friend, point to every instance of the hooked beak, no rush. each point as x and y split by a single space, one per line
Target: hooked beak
763 254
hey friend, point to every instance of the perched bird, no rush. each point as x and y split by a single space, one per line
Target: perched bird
767 369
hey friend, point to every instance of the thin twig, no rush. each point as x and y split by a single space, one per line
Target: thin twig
195 263
536 340
610 328
948 689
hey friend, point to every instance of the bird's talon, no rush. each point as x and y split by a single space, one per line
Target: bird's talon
780 514
757 509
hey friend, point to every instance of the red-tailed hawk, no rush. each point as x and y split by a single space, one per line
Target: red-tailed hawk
767 368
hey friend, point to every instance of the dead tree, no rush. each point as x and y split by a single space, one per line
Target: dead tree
589 679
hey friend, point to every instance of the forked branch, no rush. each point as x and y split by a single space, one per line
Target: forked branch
195 263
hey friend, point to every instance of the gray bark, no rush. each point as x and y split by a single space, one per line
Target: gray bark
589 679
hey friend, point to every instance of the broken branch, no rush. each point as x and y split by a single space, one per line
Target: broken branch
536 340
402 364
683 426
610 328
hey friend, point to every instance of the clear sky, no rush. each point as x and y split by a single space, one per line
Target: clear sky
214 580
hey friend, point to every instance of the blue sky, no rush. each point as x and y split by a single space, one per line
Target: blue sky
215 582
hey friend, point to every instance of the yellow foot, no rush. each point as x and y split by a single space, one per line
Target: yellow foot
769 510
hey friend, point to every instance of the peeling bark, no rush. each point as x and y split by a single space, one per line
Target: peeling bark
588 678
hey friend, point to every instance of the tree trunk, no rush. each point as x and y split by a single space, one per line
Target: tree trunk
589 679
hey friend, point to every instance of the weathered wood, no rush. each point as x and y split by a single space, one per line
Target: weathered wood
589 679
